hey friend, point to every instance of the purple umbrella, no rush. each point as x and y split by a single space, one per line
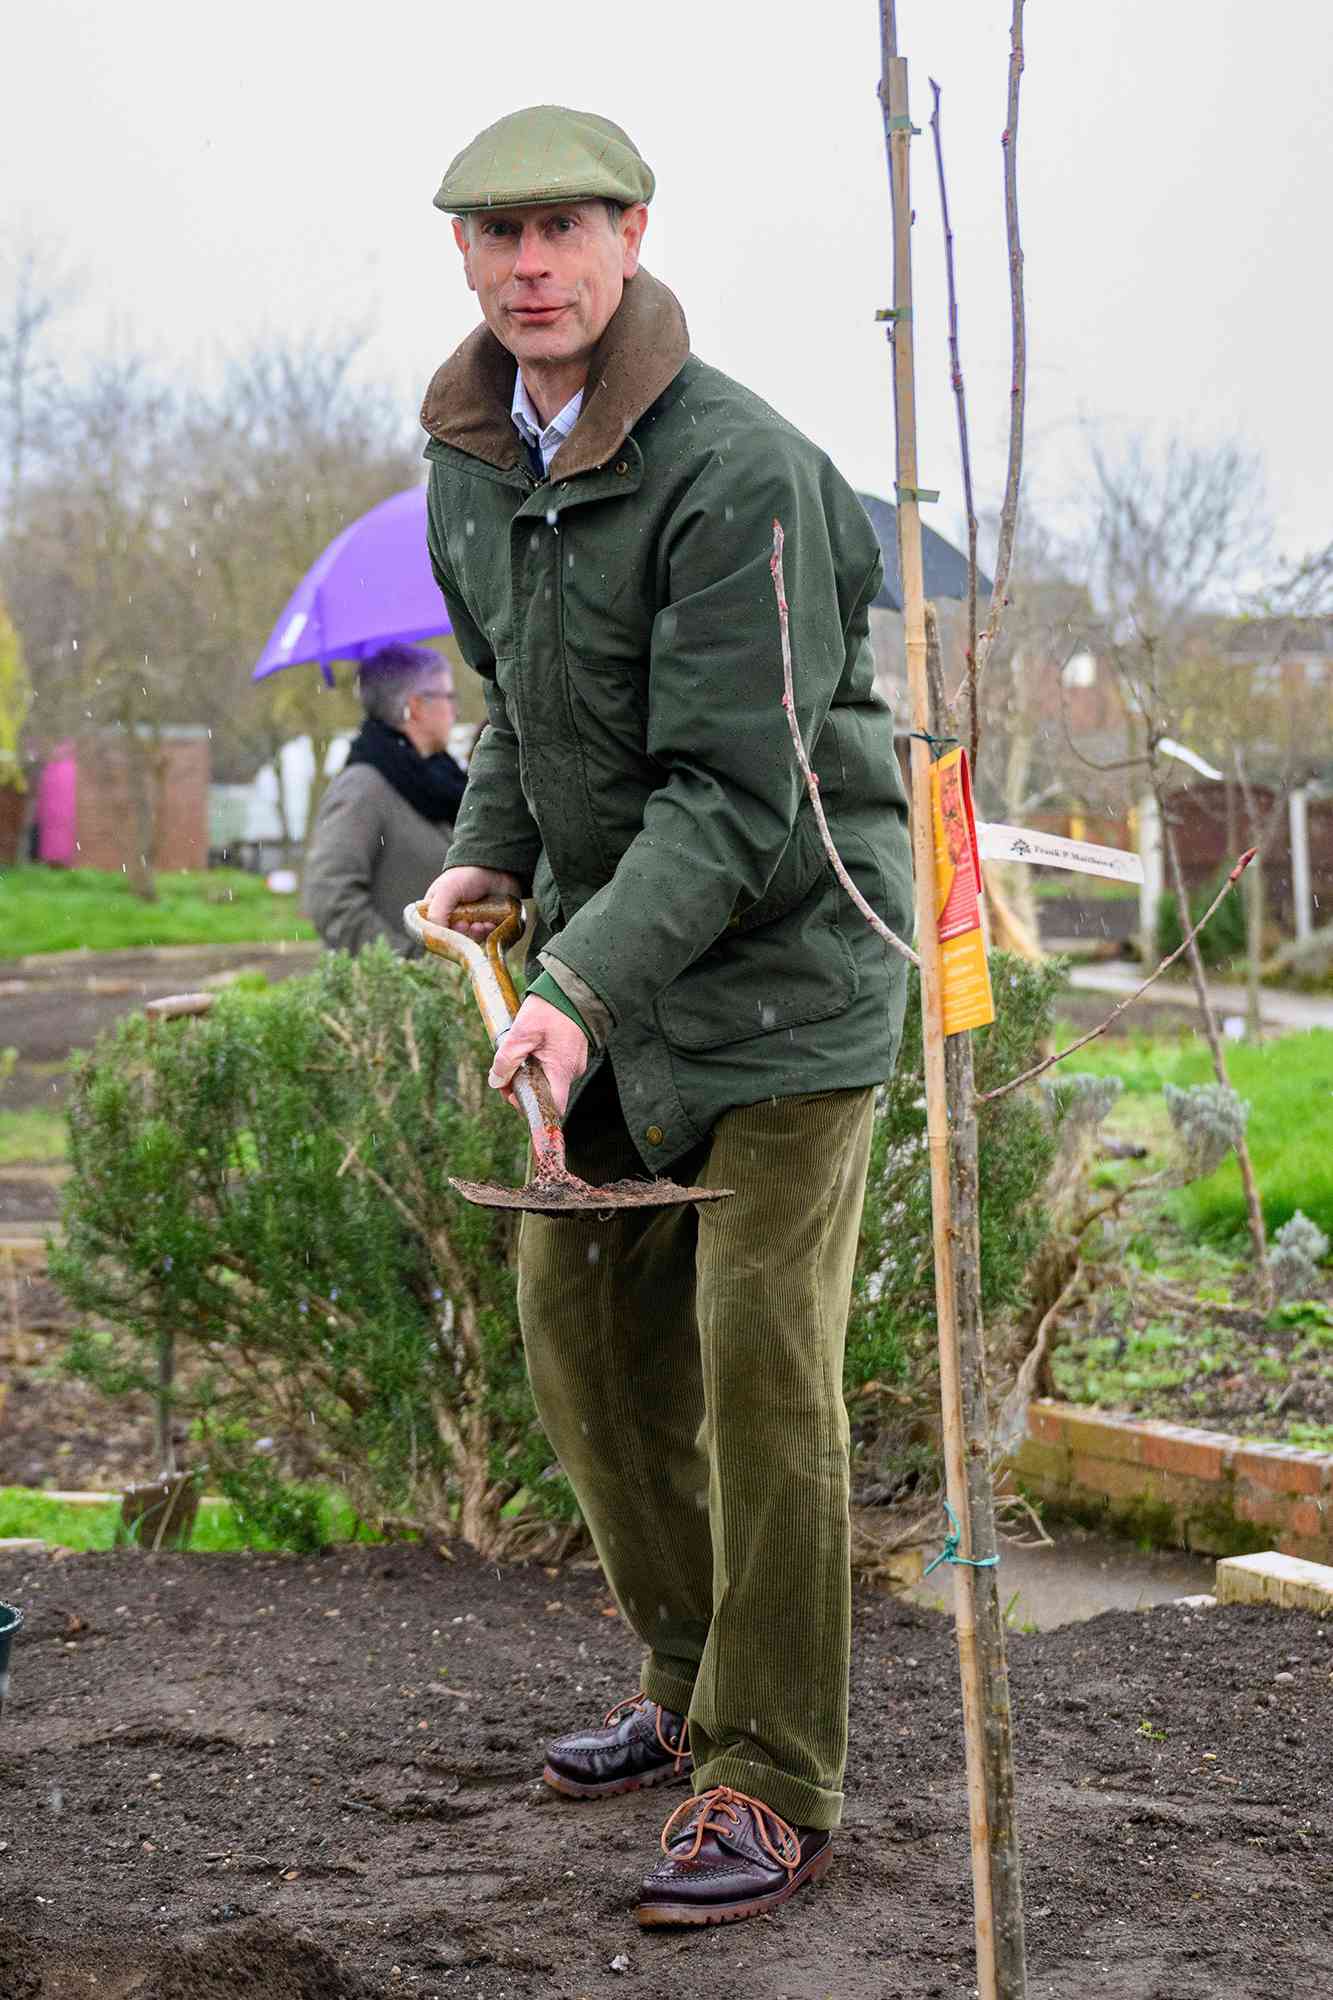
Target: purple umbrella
373 584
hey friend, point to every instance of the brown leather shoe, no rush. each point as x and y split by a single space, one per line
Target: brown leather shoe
639 1744
729 1856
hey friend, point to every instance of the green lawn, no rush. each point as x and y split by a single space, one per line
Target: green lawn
1288 1083
32 1135
26 1511
64 909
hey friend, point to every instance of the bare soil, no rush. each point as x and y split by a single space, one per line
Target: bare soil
56 1431
291 1779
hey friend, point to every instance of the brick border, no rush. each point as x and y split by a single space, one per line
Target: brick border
1201 1489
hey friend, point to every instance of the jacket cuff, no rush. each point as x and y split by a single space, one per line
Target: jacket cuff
583 1005
544 988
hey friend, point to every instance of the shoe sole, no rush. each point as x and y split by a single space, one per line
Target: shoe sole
570 1788
652 1916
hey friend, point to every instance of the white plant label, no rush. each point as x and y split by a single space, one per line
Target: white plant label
1052 850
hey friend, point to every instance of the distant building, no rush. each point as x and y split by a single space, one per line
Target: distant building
99 795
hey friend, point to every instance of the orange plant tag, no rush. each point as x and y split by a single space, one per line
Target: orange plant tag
964 974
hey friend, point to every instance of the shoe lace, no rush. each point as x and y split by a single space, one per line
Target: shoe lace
680 1752
719 1811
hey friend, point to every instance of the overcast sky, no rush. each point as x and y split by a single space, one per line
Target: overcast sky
219 173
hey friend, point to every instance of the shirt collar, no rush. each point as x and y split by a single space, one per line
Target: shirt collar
548 438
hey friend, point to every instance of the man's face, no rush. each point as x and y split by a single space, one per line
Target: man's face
548 279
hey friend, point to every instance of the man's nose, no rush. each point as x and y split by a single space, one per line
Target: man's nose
531 261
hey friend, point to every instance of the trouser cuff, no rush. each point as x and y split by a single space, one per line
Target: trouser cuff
667 1689
798 1801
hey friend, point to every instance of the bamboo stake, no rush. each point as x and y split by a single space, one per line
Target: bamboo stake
997 1896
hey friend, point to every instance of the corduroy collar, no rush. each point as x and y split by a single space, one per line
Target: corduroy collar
641 353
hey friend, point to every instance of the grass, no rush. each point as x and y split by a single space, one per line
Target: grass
38 1136
1052 888
26 1511
68 909
1288 1083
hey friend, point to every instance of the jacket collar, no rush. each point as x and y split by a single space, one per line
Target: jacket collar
641 353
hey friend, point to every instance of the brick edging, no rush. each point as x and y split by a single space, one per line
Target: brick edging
1201 1489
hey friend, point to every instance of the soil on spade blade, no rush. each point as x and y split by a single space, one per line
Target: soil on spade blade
278 1779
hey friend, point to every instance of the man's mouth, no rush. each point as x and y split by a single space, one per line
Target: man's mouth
535 315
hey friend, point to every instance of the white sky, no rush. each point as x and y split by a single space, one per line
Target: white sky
223 172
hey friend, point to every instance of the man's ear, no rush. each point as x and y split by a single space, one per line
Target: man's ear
633 222
462 240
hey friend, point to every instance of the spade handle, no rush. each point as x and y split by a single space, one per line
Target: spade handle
495 995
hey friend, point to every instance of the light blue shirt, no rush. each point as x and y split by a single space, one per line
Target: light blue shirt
547 439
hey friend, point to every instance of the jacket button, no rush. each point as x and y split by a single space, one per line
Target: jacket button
654 1135
623 467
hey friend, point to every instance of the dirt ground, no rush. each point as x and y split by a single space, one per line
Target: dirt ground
289 1779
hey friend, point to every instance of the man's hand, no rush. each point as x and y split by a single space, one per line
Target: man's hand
467 885
540 1030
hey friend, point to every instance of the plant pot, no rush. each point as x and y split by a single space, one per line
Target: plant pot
160 1515
11 1618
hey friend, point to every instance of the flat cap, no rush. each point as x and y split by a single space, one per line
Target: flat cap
546 153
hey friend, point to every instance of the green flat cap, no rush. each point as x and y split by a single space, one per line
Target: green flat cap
546 153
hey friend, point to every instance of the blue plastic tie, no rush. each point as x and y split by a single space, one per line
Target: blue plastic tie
949 1553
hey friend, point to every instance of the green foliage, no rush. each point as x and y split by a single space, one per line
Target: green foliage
285 1514
71 909
1288 1085
270 1183
1222 939
890 1335
15 701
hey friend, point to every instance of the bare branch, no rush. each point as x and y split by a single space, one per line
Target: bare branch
1004 552
876 922
960 398
1003 1090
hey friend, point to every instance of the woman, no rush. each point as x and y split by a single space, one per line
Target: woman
384 825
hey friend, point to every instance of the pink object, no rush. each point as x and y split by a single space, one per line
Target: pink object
57 808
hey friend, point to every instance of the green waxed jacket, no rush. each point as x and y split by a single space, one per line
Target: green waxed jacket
638 771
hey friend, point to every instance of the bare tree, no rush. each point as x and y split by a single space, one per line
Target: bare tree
290 449
96 591
157 536
1173 539
34 290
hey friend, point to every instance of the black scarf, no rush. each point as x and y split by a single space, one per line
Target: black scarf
432 786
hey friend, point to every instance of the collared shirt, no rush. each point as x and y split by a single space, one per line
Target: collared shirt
545 439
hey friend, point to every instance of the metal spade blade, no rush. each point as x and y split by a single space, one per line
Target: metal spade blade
553 1190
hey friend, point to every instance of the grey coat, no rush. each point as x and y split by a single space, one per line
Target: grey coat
369 855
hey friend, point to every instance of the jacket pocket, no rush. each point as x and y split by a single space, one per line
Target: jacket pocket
763 981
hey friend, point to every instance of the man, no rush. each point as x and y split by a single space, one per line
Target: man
384 823
600 519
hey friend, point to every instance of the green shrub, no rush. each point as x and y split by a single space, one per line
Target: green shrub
891 1333
1222 939
270 1184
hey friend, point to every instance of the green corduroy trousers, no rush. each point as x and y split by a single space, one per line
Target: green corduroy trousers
687 1367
